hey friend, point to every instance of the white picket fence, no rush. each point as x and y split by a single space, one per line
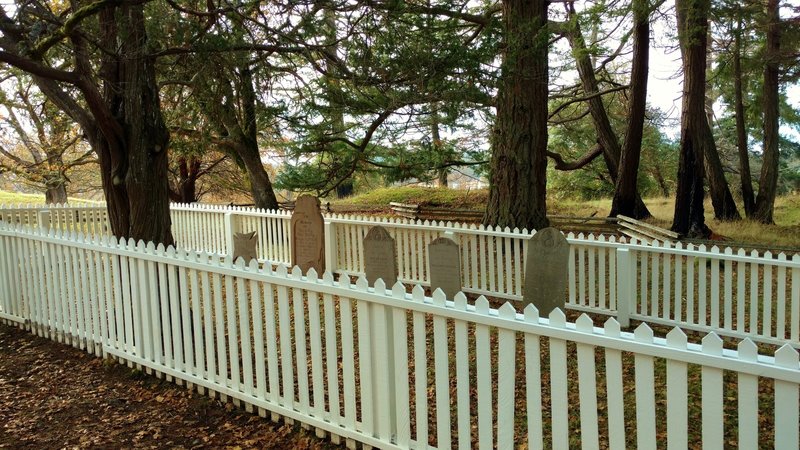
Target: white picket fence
735 294
391 369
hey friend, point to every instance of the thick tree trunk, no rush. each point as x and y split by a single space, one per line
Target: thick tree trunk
626 190
56 193
606 136
517 193
748 197
689 219
768 184
146 135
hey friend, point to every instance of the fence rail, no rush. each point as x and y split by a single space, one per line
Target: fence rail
393 369
733 293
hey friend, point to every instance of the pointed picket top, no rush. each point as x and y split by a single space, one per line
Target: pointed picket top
611 327
714 249
712 344
380 286
702 248
525 231
160 249
170 251
507 311
558 318
679 245
312 275
131 244
656 243
768 254
282 271
361 283
601 238
253 265
151 248
676 338
747 350
297 272
439 297
240 263
781 256
581 236
643 333
460 301
418 294
754 253
472 226
728 251
787 356
398 290
531 313
584 324
140 246
516 230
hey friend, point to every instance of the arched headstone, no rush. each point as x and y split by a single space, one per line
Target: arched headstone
444 265
546 271
380 256
308 235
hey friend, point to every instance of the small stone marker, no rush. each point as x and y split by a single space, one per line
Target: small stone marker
380 257
444 265
546 271
308 239
244 246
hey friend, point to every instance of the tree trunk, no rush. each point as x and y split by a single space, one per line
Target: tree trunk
146 135
606 136
626 190
721 198
517 192
260 185
188 173
56 193
768 184
436 141
748 198
689 219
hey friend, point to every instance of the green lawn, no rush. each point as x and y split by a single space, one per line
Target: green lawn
18 198
785 233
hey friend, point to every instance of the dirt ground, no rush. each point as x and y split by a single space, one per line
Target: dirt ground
56 396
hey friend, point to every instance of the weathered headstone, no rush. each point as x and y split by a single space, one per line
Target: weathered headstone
308 239
444 265
244 246
380 256
546 271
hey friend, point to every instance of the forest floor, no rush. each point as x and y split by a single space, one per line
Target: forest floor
56 396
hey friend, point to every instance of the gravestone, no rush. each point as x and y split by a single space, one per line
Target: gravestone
380 257
546 271
308 235
444 266
244 246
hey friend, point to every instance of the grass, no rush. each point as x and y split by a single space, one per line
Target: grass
19 198
785 232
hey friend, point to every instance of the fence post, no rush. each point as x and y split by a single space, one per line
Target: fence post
44 220
231 223
626 285
329 235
